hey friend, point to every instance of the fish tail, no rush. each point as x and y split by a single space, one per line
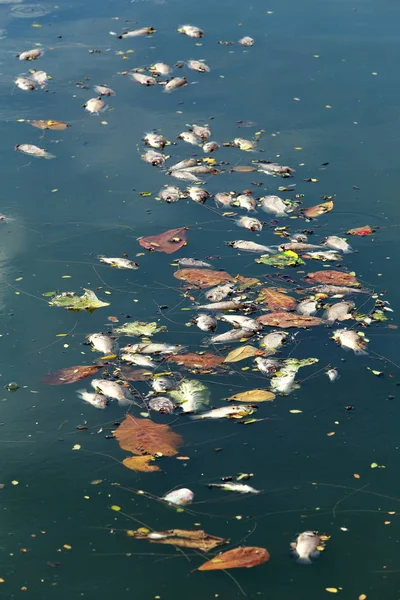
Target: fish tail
304 560
360 351
124 402
196 417
49 156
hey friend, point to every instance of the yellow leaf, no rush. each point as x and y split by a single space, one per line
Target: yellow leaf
61 334
76 447
253 396
210 161
362 597
67 547
331 433
332 590
96 482
36 25
374 465
294 411
115 507
240 353
66 276
356 476
109 357
141 463
15 482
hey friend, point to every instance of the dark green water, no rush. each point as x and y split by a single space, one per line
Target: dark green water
97 209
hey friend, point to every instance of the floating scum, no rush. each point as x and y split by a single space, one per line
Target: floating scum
250 322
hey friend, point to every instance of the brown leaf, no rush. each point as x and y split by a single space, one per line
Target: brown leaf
132 374
276 300
185 538
203 278
318 209
169 241
361 231
71 374
253 396
54 125
197 361
141 463
243 169
246 282
244 556
143 436
240 354
284 320
331 277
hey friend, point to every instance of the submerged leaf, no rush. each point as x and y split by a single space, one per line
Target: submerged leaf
191 394
139 328
70 374
203 277
142 436
169 241
276 301
130 374
69 300
253 396
184 538
281 260
141 463
241 353
318 210
284 319
331 277
244 556
197 361
54 125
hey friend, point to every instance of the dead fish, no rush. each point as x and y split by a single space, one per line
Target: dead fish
154 158
163 384
250 246
32 150
174 84
25 83
307 307
179 497
96 400
306 547
274 169
160 68
40 77
234 304
324 256
197 194
146 80
152 348
103 90
184 175
273 341
241 322
202 170
227 412
246 201
94 106
332 374
274 205
111 390
189 137
139 360
297 246
197 65
202 131
350 340
246 41
241 488
210 147
284 384
267 366
223 198
333 290
244 144
205 322
184 164
341 311
170 193
250 223
231 336
192 262
119 262
101 343
338 243
191 31
136 32
155 140
31 54
219 292
299 237
162 404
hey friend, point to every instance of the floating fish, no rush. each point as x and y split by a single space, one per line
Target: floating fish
250 223
136 32
163 384
155 140
179 497
183 164
170 193
244 144
192 262
202 131
191 31
190 138
251 246
31 54
219 292
273 341
25 83
246 41
205 322
139 360
223 198
297 246
146 80
202 170
174 84
307 307
341 311
333 290
324 256
154 158
234 304
210 147
241 322
95 106
103 90
267 366
274 205
306 547
246 201
227 412
40 77
184 175
152 348
35 151
96 400
332 374
338 243
241 488
197 65
102 343
231 336
350 340
160 68
274 169
119 262
162 404
111 390
198 194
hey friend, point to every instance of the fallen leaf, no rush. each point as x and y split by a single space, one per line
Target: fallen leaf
141 463
361 231
184 538
54 125
115 507
281 260
244 556
191 395
139 328
318 210
332 590
240 353
295 411
69 300
246 282
197 361
243 169
132 374
142 436
169 241
374 465
203 278
356 476
253 396
331 277
362 597
276 301
331 433
284 320
70 374
76 447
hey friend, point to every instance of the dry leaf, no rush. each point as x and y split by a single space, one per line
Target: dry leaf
203 278
244 556
54 125
185 538
331 277
197 361
361 231
318 210
356 476
131 374
243 169
141 463
276 301
285 320
241 353
169 241
70 374
362 597
253 396
142 436
332 590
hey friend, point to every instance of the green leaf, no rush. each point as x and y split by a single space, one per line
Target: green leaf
281 260
69 300
139 328
379 315
191 394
